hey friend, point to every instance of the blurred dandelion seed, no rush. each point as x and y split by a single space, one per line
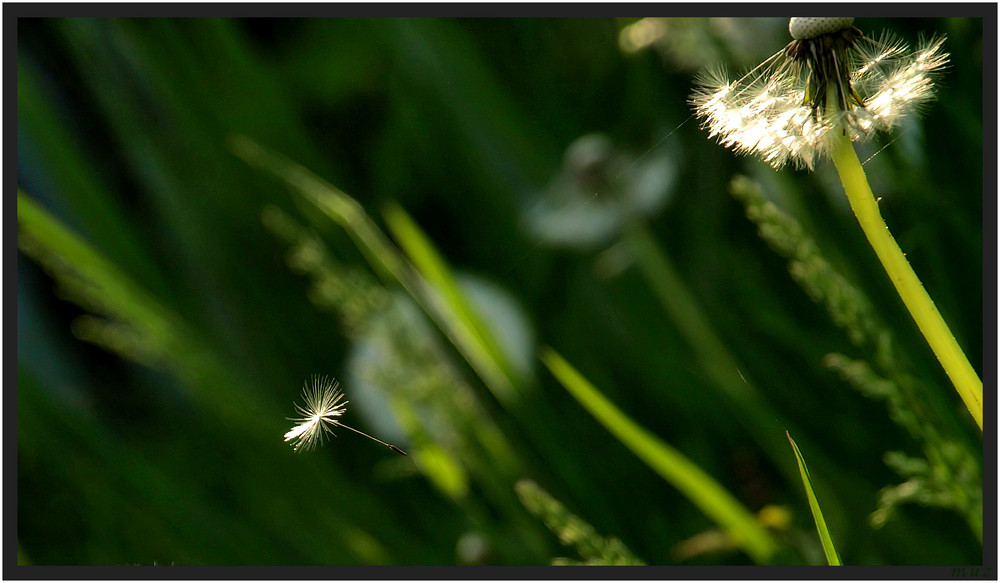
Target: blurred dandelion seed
323 404
829 78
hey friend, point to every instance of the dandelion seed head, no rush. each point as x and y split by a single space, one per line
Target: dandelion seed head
802 28
829 78
323 404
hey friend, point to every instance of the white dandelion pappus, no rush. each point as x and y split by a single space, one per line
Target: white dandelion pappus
830 77
323 405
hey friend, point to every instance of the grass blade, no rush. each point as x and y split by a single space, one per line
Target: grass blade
156 335
824 534
695 484
466 322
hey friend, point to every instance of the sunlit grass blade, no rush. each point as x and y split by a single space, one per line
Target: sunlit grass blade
140 326
92 277
429 262
695 484
824 534
334 203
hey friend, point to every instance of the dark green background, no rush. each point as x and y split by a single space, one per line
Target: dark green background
122 128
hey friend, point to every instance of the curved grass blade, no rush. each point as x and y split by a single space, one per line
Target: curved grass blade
682 473
482 347
824 534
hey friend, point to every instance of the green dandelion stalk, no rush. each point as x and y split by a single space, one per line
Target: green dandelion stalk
865 206
829 87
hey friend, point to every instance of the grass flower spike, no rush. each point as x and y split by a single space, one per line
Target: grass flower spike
323 405
831 86
829 80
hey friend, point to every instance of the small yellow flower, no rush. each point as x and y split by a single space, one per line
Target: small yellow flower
323 404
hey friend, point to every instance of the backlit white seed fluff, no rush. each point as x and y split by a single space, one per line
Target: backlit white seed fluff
323 404
787 108
807 27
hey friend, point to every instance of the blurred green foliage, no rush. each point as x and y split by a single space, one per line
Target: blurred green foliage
172 299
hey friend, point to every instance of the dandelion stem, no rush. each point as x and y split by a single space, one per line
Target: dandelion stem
911 291
389 445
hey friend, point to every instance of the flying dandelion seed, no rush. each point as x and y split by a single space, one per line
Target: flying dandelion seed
323 405
830 78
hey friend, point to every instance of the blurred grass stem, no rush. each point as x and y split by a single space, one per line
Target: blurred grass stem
911 291
715 359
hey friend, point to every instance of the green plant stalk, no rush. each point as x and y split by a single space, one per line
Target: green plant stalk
832 558
437 273
911 291
699 487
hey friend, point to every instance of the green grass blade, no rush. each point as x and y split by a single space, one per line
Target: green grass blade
435 270
161 336
824 534
42 236
695 484
334 203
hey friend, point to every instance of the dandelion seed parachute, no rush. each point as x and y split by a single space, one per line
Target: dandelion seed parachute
830 77
323 404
